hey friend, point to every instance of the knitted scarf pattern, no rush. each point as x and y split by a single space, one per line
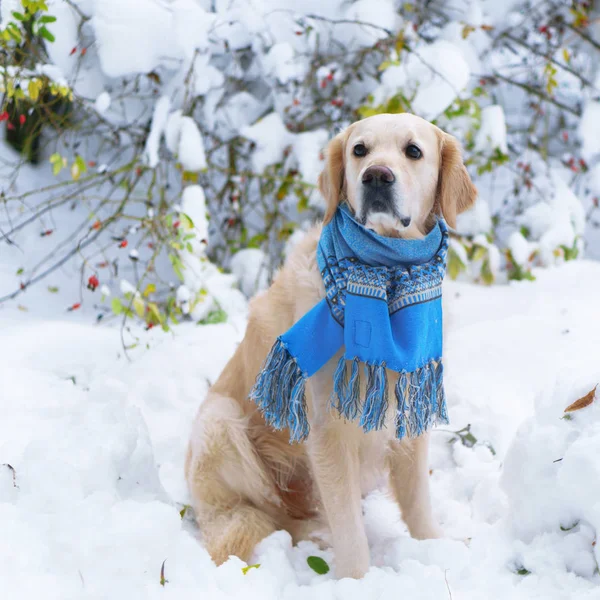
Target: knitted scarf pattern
383 306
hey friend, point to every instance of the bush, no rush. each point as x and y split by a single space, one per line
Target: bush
169 138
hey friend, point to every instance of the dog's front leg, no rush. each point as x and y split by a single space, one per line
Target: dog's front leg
409 473
333 451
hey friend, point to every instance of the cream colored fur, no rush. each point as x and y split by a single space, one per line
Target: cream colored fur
245 479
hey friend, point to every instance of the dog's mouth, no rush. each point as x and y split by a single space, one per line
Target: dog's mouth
379 214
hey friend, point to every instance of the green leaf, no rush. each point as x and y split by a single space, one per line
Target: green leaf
214 317
46 34
523 571
117 306
14 32
52 289
318 565
455 263
186 221
177 265
569 528
478 253
47 19
486 273
20 271
19 16
56 160
184 510
246 569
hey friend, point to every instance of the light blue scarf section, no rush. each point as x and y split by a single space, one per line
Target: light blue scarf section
383 304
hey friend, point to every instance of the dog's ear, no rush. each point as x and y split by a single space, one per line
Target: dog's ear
455 190
331 179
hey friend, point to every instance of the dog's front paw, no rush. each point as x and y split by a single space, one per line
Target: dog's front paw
427 531
352 562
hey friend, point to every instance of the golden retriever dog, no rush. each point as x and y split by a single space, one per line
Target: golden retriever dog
245 479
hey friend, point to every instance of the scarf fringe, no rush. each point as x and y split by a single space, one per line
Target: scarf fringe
346 391
279 392
420 397
376 399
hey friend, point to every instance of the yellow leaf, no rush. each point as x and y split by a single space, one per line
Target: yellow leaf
246 569
467 31
155 312
34 88
150 289
139 306
566 55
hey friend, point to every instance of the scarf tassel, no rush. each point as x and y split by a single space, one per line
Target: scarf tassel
279 392
346 390
420 397
421 400
376 399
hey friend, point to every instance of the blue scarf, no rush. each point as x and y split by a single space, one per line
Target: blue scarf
384 305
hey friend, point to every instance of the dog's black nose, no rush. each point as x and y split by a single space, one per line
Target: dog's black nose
378 176
405 221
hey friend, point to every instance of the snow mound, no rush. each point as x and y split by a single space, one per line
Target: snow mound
552 480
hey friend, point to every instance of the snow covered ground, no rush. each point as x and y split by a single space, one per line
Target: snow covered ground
90 505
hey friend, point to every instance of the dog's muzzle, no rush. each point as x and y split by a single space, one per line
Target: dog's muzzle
378 193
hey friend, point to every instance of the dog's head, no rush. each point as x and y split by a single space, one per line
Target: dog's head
396 172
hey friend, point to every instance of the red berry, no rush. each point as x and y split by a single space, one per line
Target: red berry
93 282
47 232
330 77
10 126
296 102
150 245
565 136
22 119
582 163
97 225
74 306
83 51
149 326
3 116
176 224
91 163
123 244
73 51
324 84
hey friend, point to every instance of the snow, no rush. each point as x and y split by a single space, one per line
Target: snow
589 129
281 63
492 133
159 121
102 102
251 268
191 147
97 445
171 33
520 248
436 89
475 220
271 138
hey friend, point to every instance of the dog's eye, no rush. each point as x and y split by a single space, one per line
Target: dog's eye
360 150
413 152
